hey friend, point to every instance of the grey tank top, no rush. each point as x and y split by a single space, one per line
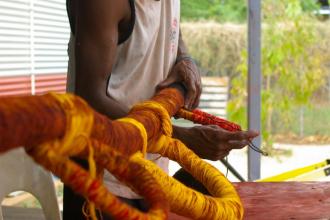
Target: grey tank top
142 62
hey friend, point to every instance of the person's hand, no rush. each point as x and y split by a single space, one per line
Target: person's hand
186 72
212 142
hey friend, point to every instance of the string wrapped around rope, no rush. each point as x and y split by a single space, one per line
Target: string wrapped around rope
199 117
62 126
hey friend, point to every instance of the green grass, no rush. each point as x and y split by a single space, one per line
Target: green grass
316 122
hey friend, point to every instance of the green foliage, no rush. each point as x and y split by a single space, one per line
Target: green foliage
218 10
216 47
226 10
309 5
291 71
315 121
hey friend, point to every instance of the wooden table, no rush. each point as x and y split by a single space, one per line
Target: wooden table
283 201
262 201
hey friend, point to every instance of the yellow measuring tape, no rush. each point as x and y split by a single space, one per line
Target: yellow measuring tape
308 173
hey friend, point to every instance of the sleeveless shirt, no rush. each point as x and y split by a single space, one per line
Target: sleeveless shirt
141 63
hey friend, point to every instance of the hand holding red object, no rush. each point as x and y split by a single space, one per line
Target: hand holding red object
237 139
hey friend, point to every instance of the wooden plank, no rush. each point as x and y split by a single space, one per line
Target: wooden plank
213 104
215 111
285 200
214 97
215 81
215 89
271 201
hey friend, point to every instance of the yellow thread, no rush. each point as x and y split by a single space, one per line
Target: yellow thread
77 140
183 200
141 129
79 123
225 205
92 171
160 111
78 129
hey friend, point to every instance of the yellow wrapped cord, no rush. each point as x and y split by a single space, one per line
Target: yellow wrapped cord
141 129
225 203
83 138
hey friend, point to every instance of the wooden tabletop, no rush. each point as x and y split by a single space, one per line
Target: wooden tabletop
283 201
262 201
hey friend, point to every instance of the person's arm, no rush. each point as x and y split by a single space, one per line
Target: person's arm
185 71
208 142
211 142
96 43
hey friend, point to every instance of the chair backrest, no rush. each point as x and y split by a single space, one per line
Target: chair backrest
18 172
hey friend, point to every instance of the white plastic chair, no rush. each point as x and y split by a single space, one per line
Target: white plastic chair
18 172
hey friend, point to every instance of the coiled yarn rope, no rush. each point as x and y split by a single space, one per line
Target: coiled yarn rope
203 118
142 130
225 203
141 175
54 156
200 117
160 111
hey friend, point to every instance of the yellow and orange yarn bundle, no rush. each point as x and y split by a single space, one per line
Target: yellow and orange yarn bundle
56 127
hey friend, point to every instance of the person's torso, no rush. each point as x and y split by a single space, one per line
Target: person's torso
145 59
141 63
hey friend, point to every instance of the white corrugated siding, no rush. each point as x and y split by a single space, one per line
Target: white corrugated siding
15 31
51 32
33 39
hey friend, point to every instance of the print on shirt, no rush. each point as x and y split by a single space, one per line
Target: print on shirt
173 35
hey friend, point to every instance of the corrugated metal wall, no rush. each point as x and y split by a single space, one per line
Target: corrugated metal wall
21 85
33 44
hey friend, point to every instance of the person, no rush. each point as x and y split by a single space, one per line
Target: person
120 53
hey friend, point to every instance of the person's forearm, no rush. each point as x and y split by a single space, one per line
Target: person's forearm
108 106
96 39
93 67
88 89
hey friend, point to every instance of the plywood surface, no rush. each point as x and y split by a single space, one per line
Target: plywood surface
262 201
286 200
283 201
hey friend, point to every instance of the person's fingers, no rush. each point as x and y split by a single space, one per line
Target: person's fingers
190 97
194 72
171 79
234 144
197 96
191 81
239 135
252 134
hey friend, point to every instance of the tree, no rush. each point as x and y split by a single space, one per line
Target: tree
291 72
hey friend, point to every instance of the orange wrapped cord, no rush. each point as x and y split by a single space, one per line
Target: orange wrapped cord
199 117
55 127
